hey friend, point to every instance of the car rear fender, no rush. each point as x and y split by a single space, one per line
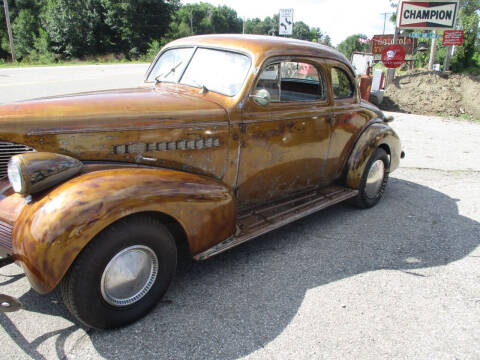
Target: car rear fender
53 229
374 136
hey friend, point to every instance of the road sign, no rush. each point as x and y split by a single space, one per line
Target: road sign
286 22
393 56
423 35
432 14
453 37
379 42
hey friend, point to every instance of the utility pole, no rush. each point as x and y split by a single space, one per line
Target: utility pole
433 50
9 29
384 21
191 21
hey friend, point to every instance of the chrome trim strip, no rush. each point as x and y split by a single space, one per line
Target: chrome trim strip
189 125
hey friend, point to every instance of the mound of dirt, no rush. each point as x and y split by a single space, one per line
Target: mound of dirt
430 93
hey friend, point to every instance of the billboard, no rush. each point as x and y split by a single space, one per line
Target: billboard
430 15
286 22
379 42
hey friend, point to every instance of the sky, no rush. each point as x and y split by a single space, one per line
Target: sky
338 18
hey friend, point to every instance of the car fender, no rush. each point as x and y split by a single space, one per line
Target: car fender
53 230
374 136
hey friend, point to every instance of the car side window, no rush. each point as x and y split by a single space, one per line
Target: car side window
342 84
269 80
292 81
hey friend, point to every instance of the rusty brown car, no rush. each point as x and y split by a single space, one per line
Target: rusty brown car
229 137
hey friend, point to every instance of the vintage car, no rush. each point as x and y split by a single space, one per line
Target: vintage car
229 137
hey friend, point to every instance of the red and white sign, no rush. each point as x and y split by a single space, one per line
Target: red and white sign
432 14
453 37
393 56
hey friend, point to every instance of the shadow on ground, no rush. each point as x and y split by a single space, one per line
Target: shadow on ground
234 304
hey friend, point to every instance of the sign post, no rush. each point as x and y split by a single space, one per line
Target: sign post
285 22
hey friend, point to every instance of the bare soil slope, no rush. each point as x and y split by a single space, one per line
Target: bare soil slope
430 93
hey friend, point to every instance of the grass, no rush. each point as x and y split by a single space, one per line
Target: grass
93 61
466 117
469 118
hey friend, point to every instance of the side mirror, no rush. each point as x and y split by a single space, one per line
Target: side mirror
262 97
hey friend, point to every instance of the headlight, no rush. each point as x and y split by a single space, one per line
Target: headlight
15 175
30 173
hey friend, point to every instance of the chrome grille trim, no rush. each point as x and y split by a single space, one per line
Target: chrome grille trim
7 150
6 235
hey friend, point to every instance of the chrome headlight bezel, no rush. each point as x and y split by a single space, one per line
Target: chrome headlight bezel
33 172
16 175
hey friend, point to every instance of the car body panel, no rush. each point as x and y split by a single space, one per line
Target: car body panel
53 229
375 136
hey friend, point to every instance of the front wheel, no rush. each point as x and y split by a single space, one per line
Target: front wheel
374 180
121 274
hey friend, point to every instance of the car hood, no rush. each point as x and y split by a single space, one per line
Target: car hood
124 109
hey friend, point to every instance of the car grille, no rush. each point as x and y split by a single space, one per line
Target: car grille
7 150
5 235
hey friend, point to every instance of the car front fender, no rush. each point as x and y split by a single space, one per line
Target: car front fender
53 229
375 136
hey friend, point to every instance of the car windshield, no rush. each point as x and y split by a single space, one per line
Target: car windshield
216 70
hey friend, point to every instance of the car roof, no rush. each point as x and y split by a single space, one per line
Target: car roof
261 46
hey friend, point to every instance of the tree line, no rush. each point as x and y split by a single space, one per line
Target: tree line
49 30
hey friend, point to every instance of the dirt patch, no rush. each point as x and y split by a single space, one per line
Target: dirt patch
429 93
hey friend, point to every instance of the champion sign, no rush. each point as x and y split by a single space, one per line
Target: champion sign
427 15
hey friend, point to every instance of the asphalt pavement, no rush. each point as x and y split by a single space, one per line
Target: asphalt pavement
398 281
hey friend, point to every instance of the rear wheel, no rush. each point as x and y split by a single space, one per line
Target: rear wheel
374 180
121 274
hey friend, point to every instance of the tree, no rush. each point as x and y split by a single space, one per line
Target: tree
24 30
302 31
468 19
135 23
75 28
351 44
203 18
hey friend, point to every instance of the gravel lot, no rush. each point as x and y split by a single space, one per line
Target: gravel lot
400 280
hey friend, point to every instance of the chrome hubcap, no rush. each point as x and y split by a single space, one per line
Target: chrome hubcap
375 179
129 276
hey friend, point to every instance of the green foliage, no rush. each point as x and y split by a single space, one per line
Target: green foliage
261 27
302 31
74 28
351 44
24 29
48 31
203 18
41 50
469 19
135 23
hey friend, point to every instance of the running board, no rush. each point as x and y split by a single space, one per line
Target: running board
258 221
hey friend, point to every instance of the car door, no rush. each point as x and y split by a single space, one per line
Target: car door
349 120
285 143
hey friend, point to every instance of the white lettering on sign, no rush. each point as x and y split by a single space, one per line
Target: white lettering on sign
427 15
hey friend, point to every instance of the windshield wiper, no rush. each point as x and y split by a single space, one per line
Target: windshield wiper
172 70
203 88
